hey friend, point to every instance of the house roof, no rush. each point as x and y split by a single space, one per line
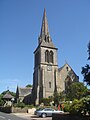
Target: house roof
24 91
8 95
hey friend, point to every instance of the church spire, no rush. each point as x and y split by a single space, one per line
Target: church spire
44 27
44 38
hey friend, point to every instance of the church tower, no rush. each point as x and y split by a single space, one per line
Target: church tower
45 65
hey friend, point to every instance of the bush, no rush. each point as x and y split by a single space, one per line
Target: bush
75 107
86 105
46 101
66 107
81 106
20 104
2 102
6 109
30 106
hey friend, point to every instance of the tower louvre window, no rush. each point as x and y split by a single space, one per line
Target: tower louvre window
49 56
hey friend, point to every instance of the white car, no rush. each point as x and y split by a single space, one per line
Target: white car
47 112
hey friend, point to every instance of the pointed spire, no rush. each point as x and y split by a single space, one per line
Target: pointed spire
44 27
45 35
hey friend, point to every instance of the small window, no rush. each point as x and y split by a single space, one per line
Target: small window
49 84
67 68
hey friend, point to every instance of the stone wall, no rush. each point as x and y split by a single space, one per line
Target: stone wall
19 110
23 110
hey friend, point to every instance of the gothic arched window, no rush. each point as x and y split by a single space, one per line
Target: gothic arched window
51 56
47 56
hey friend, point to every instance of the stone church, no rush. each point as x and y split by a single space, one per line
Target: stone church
47 76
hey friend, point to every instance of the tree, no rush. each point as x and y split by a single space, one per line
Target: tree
12 93
81 106
29 85
62 96
46 101
86 74
89 50
86 70
56 98
1 100
76 90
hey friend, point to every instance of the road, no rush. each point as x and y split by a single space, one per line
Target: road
4 116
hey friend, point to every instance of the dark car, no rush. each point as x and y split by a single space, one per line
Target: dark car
46 112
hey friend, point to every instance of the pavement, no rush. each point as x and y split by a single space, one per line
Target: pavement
24 115
29 116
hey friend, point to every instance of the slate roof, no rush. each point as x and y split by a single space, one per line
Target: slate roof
8 96
49 44
60 69
24 91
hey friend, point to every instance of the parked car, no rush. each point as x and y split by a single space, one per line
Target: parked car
46 112
35 113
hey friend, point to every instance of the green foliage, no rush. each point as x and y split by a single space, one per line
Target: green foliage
56 98
20 104
86 74
1 100
75 107
29 85
12 93
61 96
6 109
30 106
4 92
86 70
89 50
76 90
46 101
51 98
85 104
66 106
79 107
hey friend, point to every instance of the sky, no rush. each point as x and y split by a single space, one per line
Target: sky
20 25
